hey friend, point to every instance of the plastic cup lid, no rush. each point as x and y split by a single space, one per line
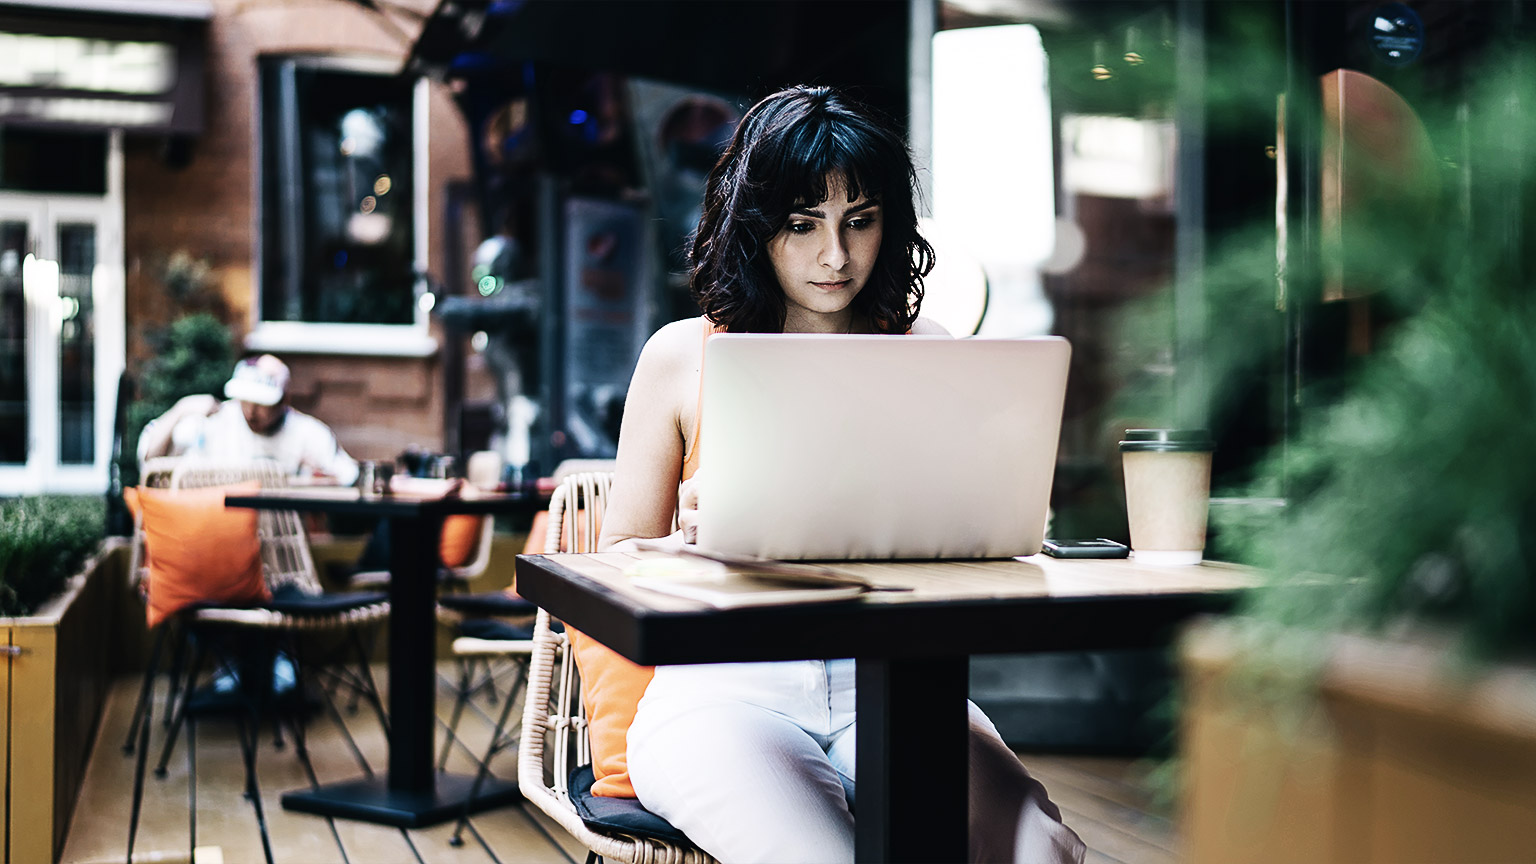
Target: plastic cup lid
1167 440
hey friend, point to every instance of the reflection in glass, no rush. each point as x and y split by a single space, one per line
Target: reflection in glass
13 344
336 195
77 345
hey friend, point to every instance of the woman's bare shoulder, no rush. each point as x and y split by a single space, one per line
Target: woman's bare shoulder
676 342
928 327
684 331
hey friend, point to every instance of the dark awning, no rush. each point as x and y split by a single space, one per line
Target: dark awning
104 64
745 46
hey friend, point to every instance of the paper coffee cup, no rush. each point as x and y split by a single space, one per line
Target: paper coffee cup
1167 493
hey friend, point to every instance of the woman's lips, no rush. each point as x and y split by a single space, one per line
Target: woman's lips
832 286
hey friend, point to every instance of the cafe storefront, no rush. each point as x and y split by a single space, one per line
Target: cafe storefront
76 78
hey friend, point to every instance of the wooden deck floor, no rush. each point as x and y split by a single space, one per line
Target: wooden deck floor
1100 797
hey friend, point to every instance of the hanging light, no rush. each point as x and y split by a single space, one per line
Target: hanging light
1100 70
1132 42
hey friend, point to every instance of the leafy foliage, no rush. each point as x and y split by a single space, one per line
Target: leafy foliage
1412 497
195 355
43 541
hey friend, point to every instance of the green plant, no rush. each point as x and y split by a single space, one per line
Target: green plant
43 541
193 355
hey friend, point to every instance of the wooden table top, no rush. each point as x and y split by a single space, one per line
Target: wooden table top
1002 606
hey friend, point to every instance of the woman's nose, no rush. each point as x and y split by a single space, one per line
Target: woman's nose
834 252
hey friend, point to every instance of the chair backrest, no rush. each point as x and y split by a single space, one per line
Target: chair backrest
483 473
567 467
576 511
554 733
480 556
155 473
285 555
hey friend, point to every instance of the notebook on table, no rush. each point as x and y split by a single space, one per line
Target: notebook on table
878 447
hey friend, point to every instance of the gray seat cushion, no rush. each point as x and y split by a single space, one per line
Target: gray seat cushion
618 814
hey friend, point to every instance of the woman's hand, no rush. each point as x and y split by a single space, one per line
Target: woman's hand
688 509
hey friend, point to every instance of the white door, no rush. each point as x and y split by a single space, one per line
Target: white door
61 340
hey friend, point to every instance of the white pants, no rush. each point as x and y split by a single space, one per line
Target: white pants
755 763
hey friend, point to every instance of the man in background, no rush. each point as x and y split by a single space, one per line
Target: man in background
256 422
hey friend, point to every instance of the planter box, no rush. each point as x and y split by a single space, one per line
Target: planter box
1400 758
58 670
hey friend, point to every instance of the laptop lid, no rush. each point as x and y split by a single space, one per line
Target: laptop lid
869 447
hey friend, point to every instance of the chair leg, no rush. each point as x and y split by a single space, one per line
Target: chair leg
250 733
497 745
142 723
178 665
461 696
192 786
365 674
329 701
146 690
199 657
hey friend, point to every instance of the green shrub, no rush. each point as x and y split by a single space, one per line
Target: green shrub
193 355
43 541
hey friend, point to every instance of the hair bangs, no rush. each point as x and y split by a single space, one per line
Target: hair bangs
809 162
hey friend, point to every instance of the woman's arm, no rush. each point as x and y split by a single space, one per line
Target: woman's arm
650 454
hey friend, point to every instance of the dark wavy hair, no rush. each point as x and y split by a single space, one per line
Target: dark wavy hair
783 153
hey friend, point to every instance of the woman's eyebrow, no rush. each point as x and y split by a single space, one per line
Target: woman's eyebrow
808 210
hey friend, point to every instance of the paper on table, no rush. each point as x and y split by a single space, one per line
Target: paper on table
725 587
802 575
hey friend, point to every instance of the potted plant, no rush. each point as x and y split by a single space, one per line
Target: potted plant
60 588
1377 700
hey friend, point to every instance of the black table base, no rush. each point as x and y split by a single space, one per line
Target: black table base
371 800
912 799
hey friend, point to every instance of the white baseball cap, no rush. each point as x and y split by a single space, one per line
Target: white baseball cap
259 380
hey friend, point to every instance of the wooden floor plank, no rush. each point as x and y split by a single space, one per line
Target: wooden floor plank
1101 799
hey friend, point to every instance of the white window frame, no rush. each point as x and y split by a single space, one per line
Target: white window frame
43 212
373 340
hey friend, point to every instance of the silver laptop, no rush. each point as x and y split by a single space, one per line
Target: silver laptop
869 447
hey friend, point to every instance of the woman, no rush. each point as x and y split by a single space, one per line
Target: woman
808 227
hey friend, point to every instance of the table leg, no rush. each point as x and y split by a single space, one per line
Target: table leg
912 760
411 796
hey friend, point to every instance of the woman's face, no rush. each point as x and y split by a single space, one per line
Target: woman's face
823 256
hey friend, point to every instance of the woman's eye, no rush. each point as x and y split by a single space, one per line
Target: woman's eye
862 222
799 227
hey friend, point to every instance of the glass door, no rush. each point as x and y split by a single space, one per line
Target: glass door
61 341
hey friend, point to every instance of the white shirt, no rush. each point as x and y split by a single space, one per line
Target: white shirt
300 441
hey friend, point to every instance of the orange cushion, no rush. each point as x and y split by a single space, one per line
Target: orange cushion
199 550
461 534
611 687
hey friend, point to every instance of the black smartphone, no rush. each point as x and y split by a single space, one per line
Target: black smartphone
1097 548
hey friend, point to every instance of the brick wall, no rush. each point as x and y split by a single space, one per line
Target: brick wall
205 206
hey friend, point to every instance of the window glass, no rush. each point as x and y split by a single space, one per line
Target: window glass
13 344
36 160
77 345
337 243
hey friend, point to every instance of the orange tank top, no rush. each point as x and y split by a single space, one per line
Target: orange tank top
691 457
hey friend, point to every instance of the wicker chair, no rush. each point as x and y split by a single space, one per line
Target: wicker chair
554 744
156 474
299 606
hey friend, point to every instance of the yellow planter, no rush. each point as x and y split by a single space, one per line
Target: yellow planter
58 669
1399 758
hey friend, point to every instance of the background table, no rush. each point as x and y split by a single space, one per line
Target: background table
912 649
411 794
